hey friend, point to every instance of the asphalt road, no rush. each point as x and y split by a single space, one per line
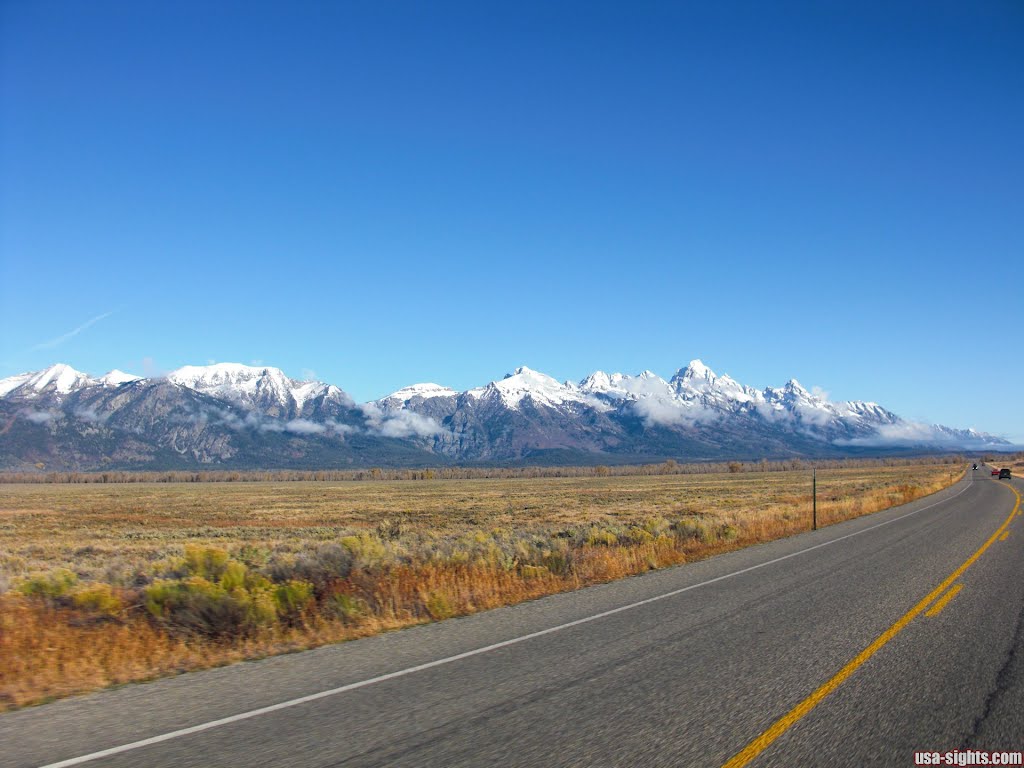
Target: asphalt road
719 653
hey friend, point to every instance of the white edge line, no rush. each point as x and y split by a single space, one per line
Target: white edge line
457 657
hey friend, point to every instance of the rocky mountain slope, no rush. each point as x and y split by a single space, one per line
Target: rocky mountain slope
239 416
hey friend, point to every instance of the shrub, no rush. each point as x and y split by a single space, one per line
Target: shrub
599 537
50 586
438 606
390 530
640 535
234 576
324 565
347 607
534 571
693 530
198 606
558 561
252 556
293 599
98 598
368 552
206 562
656 526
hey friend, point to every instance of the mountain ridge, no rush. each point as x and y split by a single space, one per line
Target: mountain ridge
230 414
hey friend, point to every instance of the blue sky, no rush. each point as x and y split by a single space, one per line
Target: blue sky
384 193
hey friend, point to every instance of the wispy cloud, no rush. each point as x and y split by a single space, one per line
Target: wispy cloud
71 334
399 423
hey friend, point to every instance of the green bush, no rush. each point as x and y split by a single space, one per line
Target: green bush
321 567
603 538
97 598
368 552
347 607
558 561
689 528
293 599
198 606
656 526
438 606
206 562
49 586
234 576
640 535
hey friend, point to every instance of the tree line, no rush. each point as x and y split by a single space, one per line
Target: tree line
669 467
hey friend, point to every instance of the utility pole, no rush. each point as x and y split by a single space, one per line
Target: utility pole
814 495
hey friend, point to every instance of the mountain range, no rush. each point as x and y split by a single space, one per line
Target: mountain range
230 415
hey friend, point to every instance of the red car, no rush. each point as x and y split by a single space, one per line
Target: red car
995 472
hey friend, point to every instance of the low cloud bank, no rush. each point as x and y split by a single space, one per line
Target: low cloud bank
911 434
399 423
657 411
37 417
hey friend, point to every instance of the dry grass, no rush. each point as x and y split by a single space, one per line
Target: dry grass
302 564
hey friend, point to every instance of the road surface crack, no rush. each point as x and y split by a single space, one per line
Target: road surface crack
1004 680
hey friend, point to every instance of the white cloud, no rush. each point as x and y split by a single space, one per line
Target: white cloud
821 394
669 412
910 434
810 414
37 417
400 423
56 342
89 415
340 429
304 427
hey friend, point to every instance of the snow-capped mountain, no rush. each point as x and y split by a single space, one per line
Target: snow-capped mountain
426 391
265 389
229 414
116 378
524 383
696 410
57 380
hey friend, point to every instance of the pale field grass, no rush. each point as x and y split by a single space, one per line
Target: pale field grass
435 549
92 528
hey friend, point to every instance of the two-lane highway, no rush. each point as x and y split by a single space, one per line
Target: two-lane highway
853 645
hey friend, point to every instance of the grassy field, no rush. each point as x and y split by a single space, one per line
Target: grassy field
104 584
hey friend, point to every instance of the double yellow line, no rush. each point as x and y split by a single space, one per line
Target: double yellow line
762 742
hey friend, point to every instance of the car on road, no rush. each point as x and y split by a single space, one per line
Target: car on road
1004 474
995 472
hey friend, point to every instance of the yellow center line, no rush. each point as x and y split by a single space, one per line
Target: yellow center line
1005 536
936 609
787 721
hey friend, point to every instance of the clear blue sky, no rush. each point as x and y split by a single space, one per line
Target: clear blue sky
385 193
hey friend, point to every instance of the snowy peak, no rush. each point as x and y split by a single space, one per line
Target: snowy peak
794 386
696 374
426 391
59 379
605 413
12 383
253 386
224 376
598 381
116 378
525 382
621 386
